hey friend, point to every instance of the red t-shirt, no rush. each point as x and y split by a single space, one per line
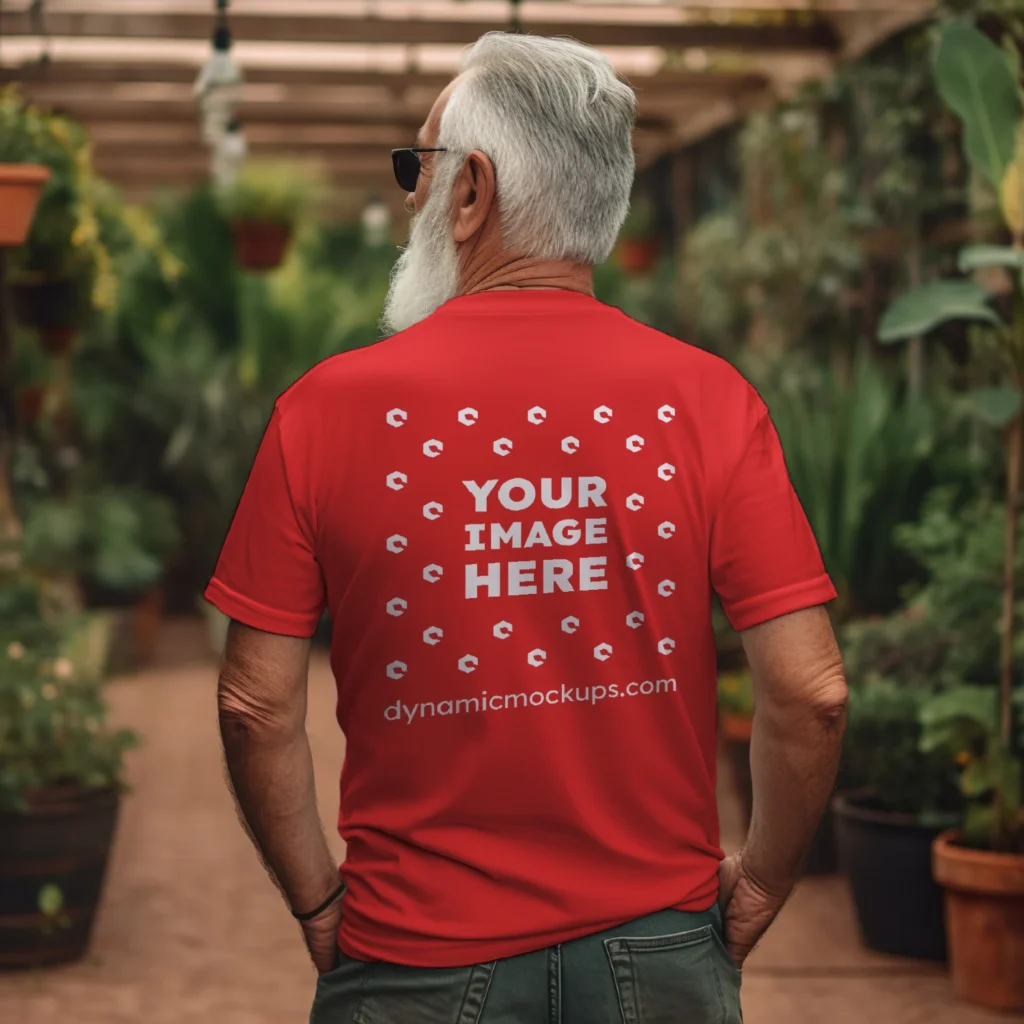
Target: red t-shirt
516 512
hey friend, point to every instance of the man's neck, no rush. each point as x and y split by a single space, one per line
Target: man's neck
528 273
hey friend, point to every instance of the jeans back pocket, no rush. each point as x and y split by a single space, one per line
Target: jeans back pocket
683 978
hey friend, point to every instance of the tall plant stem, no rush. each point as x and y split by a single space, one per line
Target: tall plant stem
1013 456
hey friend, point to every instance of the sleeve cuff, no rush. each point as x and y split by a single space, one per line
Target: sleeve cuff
752 611
259 616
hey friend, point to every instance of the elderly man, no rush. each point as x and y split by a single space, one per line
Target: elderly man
517 510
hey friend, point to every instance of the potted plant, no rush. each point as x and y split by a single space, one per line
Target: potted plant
263 207
116 542
60 781
981 866
22 177
895 800
637 250
64 260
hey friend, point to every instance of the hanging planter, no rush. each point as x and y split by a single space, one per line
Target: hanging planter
260 245
20 186
262 207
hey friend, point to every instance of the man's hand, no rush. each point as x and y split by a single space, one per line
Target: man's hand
321 935
747 908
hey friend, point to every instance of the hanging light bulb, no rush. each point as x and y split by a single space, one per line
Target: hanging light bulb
376 222
218 86
228 156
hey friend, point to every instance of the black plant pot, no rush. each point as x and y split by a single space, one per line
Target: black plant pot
887 859
63 841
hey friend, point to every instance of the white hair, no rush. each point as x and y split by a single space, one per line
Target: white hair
557 124
426 274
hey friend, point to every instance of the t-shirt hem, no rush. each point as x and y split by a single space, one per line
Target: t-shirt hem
754 610
259 616
446 953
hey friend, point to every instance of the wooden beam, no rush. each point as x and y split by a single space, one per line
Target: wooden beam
96 108
163 21
108 73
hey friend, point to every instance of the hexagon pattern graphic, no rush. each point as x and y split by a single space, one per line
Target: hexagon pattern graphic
666 588
603 652
537 657
666 646
602 414
502 446
570 445
397 417
433 510
468 663
666 471
635 620
396 606
503 630
570 624
634 560
397 543
537 414
634 442
468 416
432 573
635 502
432 448
666 413
397 669
396 480
433 635
666 529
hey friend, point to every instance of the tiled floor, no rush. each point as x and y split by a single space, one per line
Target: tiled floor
192 931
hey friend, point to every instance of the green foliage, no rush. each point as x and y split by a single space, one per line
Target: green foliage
118 538
175 387
53 727
269 191
859 456
963 723
640 221
922 309
976 82
881 751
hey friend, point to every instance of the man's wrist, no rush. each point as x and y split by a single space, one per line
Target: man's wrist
314 912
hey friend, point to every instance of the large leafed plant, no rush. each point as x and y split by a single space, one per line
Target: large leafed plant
980 82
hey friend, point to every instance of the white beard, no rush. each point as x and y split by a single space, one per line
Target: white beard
426 274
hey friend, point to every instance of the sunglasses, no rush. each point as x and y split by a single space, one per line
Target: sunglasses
407 165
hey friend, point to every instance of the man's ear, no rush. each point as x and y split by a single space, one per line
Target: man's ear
474 195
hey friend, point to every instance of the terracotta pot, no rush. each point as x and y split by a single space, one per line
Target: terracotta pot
984 921
637 255
63 840
20 185
260 245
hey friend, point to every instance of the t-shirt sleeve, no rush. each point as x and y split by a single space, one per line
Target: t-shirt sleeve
765 561
268 576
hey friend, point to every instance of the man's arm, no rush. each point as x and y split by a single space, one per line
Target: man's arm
799 719
261 702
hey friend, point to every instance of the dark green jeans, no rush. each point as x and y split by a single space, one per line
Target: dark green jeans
665 968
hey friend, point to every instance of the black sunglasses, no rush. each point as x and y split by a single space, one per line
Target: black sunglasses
407 165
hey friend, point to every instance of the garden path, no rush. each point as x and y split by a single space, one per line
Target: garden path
192 931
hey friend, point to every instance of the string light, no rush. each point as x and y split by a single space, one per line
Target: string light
218 87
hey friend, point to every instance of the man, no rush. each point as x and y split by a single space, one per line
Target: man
517 509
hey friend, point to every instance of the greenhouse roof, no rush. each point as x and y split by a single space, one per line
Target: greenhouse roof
344 80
